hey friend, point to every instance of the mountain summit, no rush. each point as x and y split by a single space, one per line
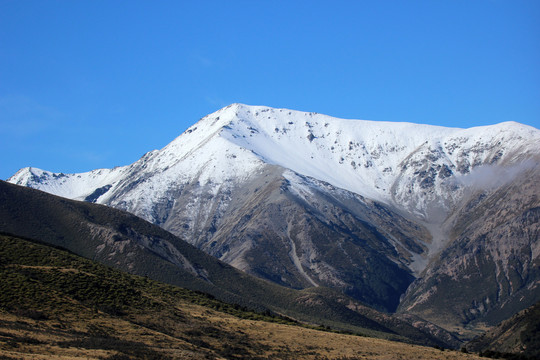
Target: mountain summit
379 210
379 160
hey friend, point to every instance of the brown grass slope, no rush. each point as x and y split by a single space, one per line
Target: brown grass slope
57 305
126 242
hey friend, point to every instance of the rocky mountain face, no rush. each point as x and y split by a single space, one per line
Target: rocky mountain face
397 215
300 233
490 268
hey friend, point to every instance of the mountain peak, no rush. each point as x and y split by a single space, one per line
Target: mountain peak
379 160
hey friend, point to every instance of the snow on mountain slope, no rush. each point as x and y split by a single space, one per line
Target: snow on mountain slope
420 169
73 186
383 161
380 160
359 156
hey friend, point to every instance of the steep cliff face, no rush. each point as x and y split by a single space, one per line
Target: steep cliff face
305 200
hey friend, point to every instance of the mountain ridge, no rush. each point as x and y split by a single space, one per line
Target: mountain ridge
222 125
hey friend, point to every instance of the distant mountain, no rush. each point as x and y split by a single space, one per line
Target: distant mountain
124 241
396 215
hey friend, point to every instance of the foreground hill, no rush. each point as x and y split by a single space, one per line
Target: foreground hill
519 335
402 217
54 304
121 240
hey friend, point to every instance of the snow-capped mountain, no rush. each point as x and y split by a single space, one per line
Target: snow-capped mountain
304 199
408 165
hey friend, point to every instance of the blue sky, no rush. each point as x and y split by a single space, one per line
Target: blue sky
95 84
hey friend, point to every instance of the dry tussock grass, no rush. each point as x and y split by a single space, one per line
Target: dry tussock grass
32 339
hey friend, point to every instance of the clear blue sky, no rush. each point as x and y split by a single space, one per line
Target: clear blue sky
93 84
